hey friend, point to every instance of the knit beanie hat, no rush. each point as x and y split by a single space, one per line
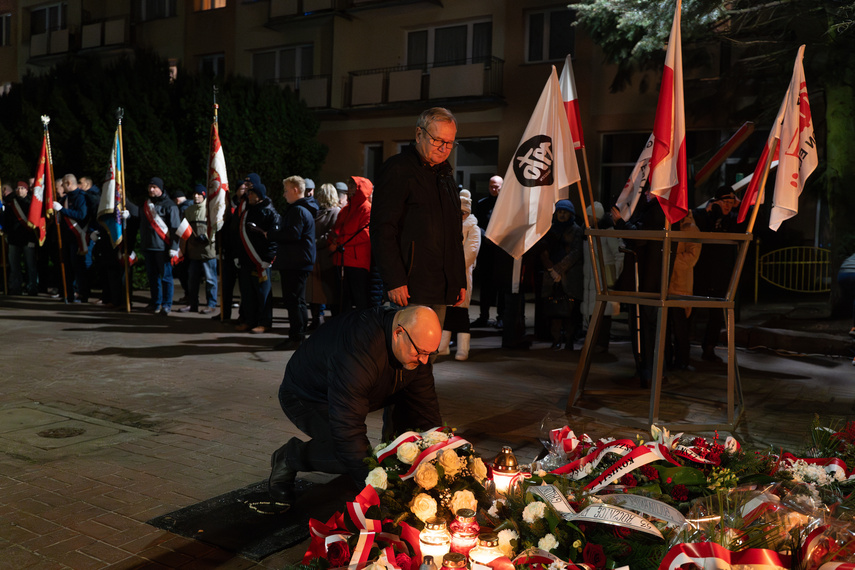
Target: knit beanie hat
200 189
310 184
157 181
565 205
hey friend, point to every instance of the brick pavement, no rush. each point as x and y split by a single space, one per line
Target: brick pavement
187 410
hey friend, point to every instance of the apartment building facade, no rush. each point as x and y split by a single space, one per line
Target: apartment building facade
367 68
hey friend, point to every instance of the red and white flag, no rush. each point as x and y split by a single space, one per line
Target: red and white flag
43 181
541 171
571 103
668 162
184 230
796 154
218 183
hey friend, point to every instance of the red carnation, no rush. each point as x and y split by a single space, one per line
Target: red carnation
650 472
680 493
338 553
404 561
628 480
593 554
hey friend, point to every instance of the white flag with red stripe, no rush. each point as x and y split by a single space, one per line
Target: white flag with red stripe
668 162
571 103
541 171
184 230
218 183
628 199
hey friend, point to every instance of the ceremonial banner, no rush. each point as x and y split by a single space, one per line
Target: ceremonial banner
628 199
668 163
541 171
218 183
110 206
36 215
571 102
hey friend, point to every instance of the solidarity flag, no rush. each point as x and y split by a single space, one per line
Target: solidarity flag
44 180
796 153
541 170
668 163
571 103
218 183
110 206
637 180
184 230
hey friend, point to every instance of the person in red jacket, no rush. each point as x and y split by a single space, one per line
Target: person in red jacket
352 245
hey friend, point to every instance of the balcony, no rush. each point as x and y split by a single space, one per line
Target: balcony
107 33
49 43
314 90
285 9
469 80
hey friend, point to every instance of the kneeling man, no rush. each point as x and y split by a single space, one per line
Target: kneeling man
357 363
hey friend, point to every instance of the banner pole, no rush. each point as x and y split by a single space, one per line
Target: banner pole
49 205
762 191
120 114
218 247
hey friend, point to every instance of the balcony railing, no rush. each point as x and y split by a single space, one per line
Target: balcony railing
314 90
103 33
478 78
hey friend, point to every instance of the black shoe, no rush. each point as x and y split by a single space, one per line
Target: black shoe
480 322
290 344
555 346
280 485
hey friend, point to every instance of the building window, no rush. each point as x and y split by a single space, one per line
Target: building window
5 29
213 65
200 5
155 9
551 35
470 42
373 160
48 18
283 65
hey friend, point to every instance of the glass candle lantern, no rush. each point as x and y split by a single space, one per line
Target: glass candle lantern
464 532
453 561
505 470
434 539
487 549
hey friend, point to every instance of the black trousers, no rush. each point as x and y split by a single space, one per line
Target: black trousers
294 295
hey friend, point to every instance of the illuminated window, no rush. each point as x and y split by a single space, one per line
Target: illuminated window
200 5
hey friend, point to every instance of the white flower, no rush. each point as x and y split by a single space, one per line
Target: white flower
380 447
434 437
557 565
478 469
423 506
464 499
450 462
533 512
547 543
407 452
494 511
377 478
505 538
426 475
541 473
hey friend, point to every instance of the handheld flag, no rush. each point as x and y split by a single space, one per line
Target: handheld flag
637 180
110 206
36 215
218 182
571 103
796 154
542 169
184 230
668 163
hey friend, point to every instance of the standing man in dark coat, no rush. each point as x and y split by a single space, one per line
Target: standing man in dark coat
74 221
354 364
160 245
296 257
415 219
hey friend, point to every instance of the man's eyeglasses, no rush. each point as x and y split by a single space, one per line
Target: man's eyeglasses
438 143
419 351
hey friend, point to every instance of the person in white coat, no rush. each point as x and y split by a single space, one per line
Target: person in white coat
457 318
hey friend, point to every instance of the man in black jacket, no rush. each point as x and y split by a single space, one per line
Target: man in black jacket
416 228
352 365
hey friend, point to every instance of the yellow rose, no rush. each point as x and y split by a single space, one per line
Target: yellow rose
463 500
478 469
426 475
407 452
423 506
377 478
450 462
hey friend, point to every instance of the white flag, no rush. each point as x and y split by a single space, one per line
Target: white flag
540 173
797 155
628 198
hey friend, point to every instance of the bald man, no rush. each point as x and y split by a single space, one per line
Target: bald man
356 363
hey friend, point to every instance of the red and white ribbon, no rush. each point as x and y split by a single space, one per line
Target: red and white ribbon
713 555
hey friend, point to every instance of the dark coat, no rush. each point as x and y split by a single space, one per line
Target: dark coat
416 228
168 211
266 219
348 364
18 232
296 237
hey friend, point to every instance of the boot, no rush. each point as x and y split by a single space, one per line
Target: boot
462 346
443 343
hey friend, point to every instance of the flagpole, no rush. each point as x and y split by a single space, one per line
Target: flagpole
3 246
120 114
761 192
49 204
220 253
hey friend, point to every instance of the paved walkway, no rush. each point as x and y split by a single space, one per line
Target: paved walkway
109 419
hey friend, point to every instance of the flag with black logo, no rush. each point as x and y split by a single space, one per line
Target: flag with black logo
541 171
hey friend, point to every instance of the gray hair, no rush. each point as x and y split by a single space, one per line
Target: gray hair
434 115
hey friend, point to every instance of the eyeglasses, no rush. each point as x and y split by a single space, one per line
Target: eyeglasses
419 351
438 143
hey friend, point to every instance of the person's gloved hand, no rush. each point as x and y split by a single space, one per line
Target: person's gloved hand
93 236
237 263
173 253
126 214
57 206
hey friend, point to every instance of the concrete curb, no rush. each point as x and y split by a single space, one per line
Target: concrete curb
796 341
